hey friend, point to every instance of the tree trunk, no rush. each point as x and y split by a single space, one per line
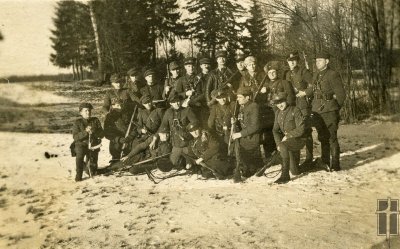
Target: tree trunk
96 38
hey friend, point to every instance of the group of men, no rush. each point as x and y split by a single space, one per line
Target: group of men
219 122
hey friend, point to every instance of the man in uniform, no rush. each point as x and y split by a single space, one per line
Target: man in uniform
119 94
248 136
171 80
329 96
174 122
152 88
218 77
219 121
203 148
189 85
84 128
133 84
301 78
276 85
289 127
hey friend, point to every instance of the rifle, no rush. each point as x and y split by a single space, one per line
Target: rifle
88 158
305 61
127 167
128 130
185 103
204 165
259 87
232 129
212 100
271 160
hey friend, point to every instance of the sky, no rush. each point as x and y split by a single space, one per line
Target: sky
26 47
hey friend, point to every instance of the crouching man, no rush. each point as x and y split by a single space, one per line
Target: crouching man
289 136
87 133
204 151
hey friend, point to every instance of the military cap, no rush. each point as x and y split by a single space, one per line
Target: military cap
149 72
245 91
322 54
85 105
293 56
279 98
239 57
272 65
145 99
189 60
116 78
173 65
219 94
220 53
133 71
205 60
176 98
192 127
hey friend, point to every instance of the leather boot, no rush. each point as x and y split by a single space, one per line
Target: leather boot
285 177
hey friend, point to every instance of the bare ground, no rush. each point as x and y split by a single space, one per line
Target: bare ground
41 206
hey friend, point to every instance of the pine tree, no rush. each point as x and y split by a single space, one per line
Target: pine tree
214 24
72 38
257 41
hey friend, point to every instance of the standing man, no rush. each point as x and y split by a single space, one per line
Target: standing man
329 96
117 94
289 136
218 77
175 121
188 86
152 88
277 85
248 125
170 81
301 78
133 84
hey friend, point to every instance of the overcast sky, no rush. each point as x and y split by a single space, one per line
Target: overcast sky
26 47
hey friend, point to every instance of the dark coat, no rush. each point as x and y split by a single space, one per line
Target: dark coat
175 122
254 83
81 137
249 120
216 80
289 123
327 91
300 78
154 91
279 85
113 96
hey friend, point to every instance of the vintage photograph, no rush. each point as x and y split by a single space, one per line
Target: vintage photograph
199 124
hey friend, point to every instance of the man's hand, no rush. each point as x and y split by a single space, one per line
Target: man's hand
236 135
284 139
233 120
123 159
167 88
189 93
225 128
301 94
143 130
229 85
198 161
263 89
89 129
152 144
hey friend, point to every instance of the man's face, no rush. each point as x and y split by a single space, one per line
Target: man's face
176 105
221 101
133 78
321 63
195 133
282 105
272 74
240 65
251 66
242 99
175 73
221 61
189 69
292 64
86 113
149 79
205 68
116 85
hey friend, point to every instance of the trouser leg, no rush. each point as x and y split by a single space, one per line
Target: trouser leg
323 136
80 164
332 120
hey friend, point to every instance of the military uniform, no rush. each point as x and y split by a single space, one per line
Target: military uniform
328 97
81 141
206 147
171 83
118 95
216 80
290 123
154 91
301 78
254 81
249 127
174 122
